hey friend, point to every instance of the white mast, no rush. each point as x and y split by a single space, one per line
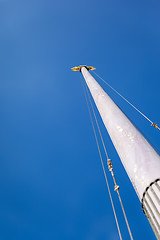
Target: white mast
140 160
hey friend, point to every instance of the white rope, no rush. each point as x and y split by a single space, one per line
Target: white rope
126 100
102 164
129 230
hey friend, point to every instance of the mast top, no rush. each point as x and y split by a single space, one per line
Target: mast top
80 67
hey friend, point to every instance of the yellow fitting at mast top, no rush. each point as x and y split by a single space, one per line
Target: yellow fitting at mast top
80 67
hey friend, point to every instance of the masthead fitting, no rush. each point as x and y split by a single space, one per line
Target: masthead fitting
80 67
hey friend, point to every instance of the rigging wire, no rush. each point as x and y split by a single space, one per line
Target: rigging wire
120 236
152 124
117 187
129 230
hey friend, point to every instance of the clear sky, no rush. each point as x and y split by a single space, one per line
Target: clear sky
51 180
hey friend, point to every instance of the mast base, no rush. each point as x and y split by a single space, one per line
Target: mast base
151 206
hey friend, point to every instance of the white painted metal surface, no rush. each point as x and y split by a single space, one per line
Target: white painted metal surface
141 161
151 206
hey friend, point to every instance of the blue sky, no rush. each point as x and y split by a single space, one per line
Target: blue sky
51 181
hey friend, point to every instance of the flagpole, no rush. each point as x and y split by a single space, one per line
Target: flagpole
140 160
